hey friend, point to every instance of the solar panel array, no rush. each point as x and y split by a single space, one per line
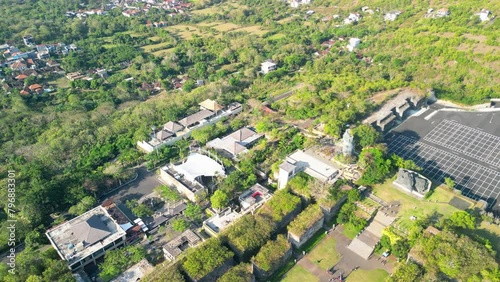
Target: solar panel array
474 180
466 140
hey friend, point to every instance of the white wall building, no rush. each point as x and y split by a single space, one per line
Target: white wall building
268 66
353 44
309 163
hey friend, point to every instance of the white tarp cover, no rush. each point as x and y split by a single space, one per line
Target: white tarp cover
198 165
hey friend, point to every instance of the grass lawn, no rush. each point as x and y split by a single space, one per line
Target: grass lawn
411 206
61 82
276 36
226 26
299 274
163 52
149 48
254 29
349 231
206 11
325 253
376 275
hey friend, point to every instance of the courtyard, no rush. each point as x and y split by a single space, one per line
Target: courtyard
332 252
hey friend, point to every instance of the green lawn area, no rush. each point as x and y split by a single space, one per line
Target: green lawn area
149 48
299 274
163 52
61 82
411 206
254 29
376 275
325 253
276 36
349 231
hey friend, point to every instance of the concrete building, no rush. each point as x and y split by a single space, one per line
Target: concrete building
268 66
193 175
392 16
179 244
353 44
444 12
254 197
352 18
217 223
308 162
484 15
82 240
135 272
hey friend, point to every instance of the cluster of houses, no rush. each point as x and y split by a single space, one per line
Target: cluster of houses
35 62
298 3
155 24
173 6
210 112
85 13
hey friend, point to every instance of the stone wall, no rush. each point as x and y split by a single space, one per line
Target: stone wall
263 275
216 273
298 241
330 211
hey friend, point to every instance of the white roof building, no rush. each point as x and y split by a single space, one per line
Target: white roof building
392 16
197 165
268 66
484 15
308 162
353 44
352 18
188 176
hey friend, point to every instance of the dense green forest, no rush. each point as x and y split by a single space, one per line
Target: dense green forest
78 141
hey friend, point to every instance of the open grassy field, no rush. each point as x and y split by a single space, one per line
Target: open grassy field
411 206
151 47
61 82
325 253
276 36
226 26
254 29
163 52
299 274
376 275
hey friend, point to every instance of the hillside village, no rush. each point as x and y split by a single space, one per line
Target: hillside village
247 141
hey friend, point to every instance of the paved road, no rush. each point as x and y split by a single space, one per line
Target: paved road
144 184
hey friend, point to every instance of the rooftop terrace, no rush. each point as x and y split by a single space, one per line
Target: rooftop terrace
81 236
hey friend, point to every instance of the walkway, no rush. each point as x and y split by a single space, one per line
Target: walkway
365 243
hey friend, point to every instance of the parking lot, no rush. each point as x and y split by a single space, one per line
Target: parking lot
467 151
